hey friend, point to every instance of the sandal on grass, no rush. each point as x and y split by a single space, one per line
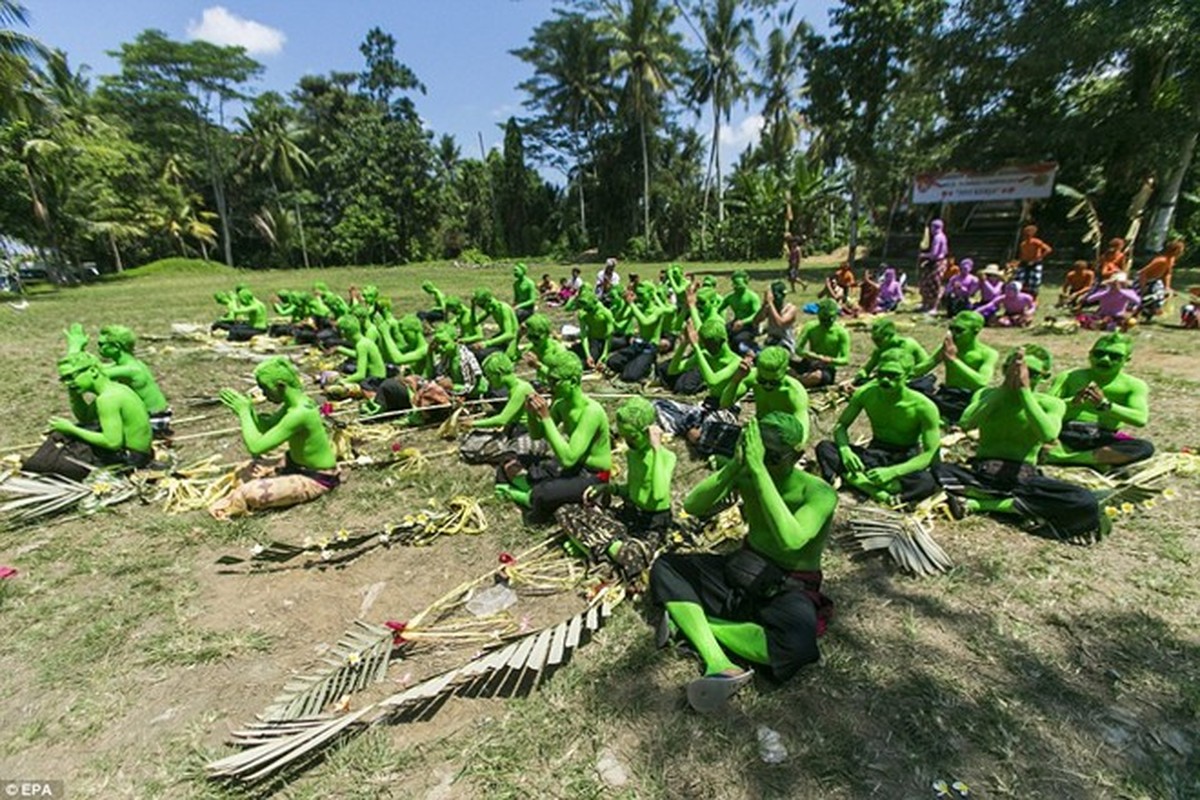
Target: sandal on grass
711 692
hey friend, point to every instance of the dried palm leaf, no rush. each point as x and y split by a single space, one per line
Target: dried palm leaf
359 659
36 496
451 428
514 669
462 516
905 537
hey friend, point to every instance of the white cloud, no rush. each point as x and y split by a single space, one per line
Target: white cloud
221 26
747 131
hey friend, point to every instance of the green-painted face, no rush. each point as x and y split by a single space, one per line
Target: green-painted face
636 437
274 392
82 380
777 454
1107 359
561 389
108 348
890 378
245 295
771 379
882 334
740 282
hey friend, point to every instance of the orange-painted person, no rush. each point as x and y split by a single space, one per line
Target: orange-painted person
1112 260
1031 252
1077 283
839 285
1154 279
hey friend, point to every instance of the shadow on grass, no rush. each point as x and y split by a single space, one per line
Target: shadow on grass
944 694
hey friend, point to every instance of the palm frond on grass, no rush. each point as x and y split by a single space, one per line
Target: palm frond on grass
1133 484
906 538
515 669
359 659
462 515
36 496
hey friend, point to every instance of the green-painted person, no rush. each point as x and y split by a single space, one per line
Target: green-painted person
886 339
469 320
503 435
762 604
1100 399
250 315
368 296
707 426
650 467
308 469
704 303
774 390
111 429
453 365
744 304
576 428
823 346
513 417
438 312
508 327
596 328
228 301
525 292
644 516
369 369
541 343
116 345
635 362
905 437
681 373
1014 421
404 344
337 305
365 315
623 321
969 365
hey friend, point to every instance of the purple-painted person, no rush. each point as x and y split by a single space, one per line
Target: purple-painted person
1117 305
933 264
1013 309
891 291
962 288
991 287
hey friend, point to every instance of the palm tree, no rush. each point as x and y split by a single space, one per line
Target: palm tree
778 71
778 87
571 88
646 55
269 145
448 156
717 76
17 50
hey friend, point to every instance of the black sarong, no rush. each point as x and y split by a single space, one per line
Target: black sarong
914 487
1081 436
787 614
1067 509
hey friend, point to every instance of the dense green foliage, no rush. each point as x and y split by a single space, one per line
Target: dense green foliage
174 156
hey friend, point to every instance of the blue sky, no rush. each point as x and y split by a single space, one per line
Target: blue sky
458 48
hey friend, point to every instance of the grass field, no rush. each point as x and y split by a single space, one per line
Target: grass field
1033 669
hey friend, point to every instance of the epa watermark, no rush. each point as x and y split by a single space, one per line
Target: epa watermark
33 789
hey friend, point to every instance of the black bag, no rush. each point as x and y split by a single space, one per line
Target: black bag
749 572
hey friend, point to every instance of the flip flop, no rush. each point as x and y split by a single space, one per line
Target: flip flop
711 692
